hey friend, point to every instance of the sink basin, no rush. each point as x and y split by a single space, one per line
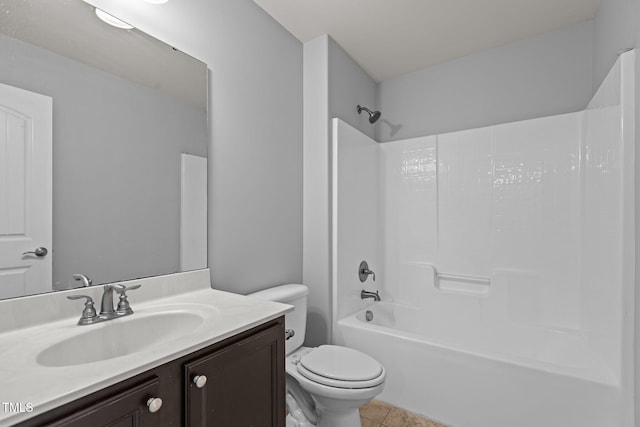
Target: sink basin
122 337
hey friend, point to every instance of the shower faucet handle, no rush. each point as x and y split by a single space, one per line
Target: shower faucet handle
364 272
373 275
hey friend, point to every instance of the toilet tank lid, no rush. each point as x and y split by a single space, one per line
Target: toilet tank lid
282 293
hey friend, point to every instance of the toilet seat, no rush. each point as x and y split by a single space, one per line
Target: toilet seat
341 367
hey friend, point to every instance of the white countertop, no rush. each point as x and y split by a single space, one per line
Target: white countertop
24 381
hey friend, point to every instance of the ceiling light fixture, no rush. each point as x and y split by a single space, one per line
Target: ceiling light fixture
112 20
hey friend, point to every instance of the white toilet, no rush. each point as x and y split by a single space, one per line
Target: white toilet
325 385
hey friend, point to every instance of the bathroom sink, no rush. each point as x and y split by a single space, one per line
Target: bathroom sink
124 336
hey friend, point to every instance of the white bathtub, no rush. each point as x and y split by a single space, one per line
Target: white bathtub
485 374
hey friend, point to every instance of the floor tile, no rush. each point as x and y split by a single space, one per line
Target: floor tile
375 410
369 423
401 418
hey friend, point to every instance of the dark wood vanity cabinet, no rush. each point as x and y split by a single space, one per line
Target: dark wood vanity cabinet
241 389
123 409
244 387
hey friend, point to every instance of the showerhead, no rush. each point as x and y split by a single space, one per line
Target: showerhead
373 115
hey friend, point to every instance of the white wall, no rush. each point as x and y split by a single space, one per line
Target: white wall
255 157
539 76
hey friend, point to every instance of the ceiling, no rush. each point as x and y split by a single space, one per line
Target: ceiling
389 38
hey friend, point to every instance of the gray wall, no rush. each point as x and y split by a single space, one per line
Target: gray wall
255 156
349 85
539 76
116 166
616 27
333 86
316 230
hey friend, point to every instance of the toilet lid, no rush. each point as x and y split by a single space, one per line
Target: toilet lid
340 364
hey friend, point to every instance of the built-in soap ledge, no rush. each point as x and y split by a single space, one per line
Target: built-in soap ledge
462 284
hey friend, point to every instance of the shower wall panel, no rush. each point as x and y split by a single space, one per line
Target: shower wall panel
355 232
513 242
536 217
602 205
464 189
410 234
493 204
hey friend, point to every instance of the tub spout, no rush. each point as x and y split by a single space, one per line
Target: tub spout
366 294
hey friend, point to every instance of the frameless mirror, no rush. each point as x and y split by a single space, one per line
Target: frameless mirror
103 144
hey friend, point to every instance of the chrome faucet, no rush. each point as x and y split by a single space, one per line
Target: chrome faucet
84 279
366 294
107 311
106 306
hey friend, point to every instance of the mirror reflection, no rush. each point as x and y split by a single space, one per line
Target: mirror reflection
103 145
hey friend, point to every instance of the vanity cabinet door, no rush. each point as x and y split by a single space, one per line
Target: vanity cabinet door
126 409
245 384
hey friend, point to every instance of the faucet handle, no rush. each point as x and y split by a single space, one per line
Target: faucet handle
124 288
372 274
123 303
89 314
364 272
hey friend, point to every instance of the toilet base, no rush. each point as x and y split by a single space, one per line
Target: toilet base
341 412
339 419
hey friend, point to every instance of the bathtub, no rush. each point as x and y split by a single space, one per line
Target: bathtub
479 374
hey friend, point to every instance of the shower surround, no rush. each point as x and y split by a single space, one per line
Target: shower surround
504 258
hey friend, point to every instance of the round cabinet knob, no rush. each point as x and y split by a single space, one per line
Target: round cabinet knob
154 404
200 380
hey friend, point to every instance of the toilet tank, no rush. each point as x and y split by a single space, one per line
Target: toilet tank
296 320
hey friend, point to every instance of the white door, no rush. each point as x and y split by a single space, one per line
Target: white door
25 192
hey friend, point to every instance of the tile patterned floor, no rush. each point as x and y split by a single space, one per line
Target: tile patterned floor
380 414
